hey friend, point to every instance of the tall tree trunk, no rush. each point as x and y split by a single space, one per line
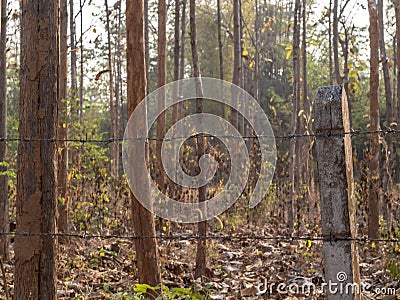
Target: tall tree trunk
387 177
345 78
330 44
183 105
114 146
81 5
119 105
74 83
304 144
220 51
202 226
339 78
237 54
62 133
397 13
4 219
143 220
257 55
373 204
35 256
147 43
175 109
293 169
162 80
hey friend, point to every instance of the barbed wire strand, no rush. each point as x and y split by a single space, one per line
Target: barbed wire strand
194 236
208 237
280 137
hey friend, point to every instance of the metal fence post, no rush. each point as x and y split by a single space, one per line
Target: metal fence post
338 211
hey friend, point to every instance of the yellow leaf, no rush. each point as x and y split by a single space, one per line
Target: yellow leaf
245 53
288 54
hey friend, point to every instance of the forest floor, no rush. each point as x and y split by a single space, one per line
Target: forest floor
237 269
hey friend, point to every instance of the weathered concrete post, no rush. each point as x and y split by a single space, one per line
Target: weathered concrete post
338 211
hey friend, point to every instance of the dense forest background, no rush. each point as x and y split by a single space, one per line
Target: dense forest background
280 52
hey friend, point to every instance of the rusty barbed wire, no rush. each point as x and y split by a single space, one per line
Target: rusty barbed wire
288 238
280 137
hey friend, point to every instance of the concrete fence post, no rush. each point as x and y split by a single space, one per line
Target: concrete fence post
338 210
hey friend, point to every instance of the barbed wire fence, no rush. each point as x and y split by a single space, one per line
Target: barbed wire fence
194 237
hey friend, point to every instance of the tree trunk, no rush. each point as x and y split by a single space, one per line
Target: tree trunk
257 55
183 105
175 109
162 79
74 84
237 54
339 79
81 5
35 256
293 169
330 44
373 204
220 50
147 43
143 220
202 226
114 151
4 219
387 177
397 13
119 107
304 144
62 133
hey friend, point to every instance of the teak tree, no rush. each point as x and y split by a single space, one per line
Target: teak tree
386 180
293 168
4 219
237 54
62 130
202 226
114 146
162 80
143 220
373 203
35 272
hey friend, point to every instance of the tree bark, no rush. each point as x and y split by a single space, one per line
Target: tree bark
119 105
143 220
387 177
35 256
396 102
293 168
74 84
237 54
202 226
62 133
257 55
330 44
114 151
183 105
81 5
304 144
175 109
162 80
373 204
4 204
339 78
147 42
220 52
